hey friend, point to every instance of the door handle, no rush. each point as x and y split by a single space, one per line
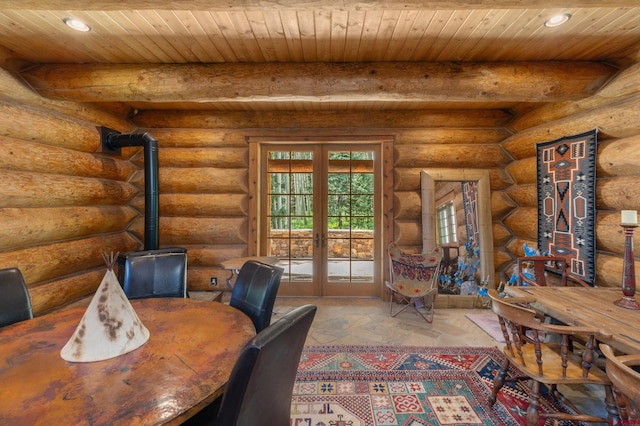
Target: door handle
317 240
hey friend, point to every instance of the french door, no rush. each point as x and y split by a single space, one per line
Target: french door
320 217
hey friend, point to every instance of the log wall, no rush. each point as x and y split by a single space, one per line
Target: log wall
62 203
189 181
615 111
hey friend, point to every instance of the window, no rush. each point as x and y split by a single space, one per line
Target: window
446 215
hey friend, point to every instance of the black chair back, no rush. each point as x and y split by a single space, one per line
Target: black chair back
15 303
255 290
154 273
261 383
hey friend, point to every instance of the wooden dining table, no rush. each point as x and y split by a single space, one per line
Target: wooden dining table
589 307
184 366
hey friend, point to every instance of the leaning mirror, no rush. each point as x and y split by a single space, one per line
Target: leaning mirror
479 238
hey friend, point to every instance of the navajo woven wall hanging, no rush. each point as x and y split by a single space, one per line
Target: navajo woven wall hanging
566 201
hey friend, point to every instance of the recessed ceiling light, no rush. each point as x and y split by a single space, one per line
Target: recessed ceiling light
557 20
76 24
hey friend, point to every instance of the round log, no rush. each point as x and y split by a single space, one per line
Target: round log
516 246
200 157
51 261
407 205
198 138
499 179
623 85
501 234
14 88
199 278
523 222
196 230
211 205
501 261
618 119
26 123
199 180
25 189
35 157
501 204
610 235
23 227
550 112
618 193
408 179
408 234
524 171
451 136
524 195
469 156
619 157
609 270
318 119
277 81
59 292
214 254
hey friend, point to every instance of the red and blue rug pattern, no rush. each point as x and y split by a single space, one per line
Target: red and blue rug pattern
403 385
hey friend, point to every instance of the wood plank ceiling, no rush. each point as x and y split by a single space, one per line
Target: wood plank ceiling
331 55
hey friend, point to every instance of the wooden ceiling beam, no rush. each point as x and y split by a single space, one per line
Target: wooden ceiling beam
321 82
361 5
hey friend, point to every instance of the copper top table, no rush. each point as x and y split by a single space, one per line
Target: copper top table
590 307
184 365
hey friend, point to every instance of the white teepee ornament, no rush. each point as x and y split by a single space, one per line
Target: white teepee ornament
109 328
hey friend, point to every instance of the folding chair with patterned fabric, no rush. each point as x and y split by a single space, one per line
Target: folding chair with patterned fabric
413 280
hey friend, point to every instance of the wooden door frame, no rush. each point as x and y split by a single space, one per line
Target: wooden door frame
254 188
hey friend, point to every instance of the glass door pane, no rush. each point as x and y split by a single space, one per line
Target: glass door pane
290 229
350 216
319 211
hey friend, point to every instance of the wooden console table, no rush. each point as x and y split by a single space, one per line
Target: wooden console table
235 264
184 366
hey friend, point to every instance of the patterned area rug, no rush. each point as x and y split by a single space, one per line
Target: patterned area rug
395 385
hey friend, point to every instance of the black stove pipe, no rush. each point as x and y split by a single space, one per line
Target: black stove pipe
115 140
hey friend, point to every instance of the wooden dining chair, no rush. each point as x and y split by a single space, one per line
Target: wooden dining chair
154 273
546 270
261 383
255 291
15 303
413 280
624 373
545 363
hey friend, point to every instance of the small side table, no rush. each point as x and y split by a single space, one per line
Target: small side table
235 264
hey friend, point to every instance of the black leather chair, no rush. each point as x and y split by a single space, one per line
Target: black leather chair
154 273
261 383
255 290
15 303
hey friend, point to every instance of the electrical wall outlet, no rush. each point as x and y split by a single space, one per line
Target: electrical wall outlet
214 281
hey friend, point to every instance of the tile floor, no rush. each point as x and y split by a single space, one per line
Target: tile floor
345 321
342 321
